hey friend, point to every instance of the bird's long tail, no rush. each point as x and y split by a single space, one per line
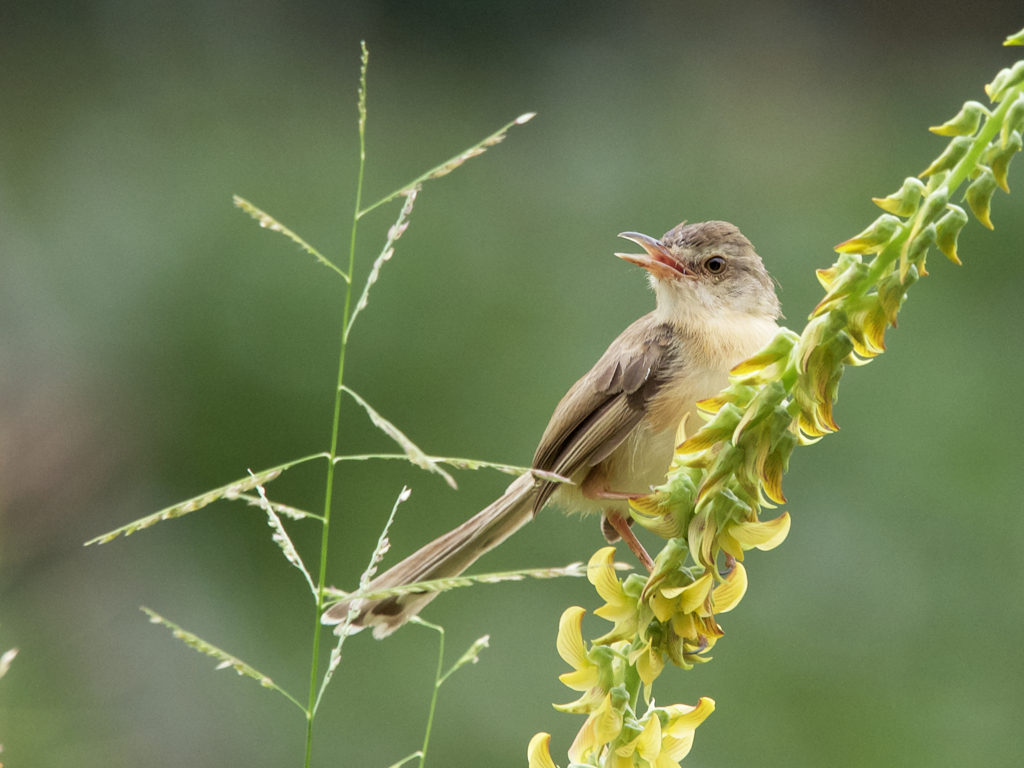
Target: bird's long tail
444 557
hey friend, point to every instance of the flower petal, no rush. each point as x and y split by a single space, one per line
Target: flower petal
607 721
728 594
581 679
602 575
662 606
674 749
764 536
538 753
584 743
684 718
570 638
693 595
649 743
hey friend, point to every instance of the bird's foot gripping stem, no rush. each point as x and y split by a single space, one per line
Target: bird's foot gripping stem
621 526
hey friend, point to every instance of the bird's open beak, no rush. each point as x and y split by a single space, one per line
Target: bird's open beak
657 260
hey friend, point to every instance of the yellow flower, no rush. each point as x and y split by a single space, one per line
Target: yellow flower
601 727
647 746
649 662
677 735
662 745
538 753
737 537
574 652
728 594
587 675
619 607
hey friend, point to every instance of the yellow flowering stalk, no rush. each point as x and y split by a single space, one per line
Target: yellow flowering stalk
671 617
721 476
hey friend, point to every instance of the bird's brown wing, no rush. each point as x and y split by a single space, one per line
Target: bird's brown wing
603 407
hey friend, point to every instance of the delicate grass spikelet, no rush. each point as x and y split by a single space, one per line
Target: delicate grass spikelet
230 491
282 539
479 149
226 659
269 222
415 454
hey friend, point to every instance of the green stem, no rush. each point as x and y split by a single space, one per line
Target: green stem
337 414
969 162
633 682
438 679
961 171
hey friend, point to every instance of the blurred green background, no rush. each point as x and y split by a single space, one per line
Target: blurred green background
155 342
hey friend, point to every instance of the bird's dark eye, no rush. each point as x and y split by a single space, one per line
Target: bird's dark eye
715 265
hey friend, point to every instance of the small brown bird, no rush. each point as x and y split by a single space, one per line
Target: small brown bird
613 433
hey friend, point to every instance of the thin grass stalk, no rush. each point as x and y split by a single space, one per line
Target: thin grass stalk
314 664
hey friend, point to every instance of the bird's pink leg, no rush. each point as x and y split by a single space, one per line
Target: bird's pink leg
618 522
593 487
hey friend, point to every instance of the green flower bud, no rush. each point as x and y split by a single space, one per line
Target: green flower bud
979 197
713 489
904 202
952 155
841 281
819 332
874 238
668 567
916 250
766 365
933 207
965 123
892 292
762 407
1006 79
815 390
947 230
630 730
760 439
737 393
867 324
935 181
1014 120
1017 39
829 276
776 462
719 428
998 158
